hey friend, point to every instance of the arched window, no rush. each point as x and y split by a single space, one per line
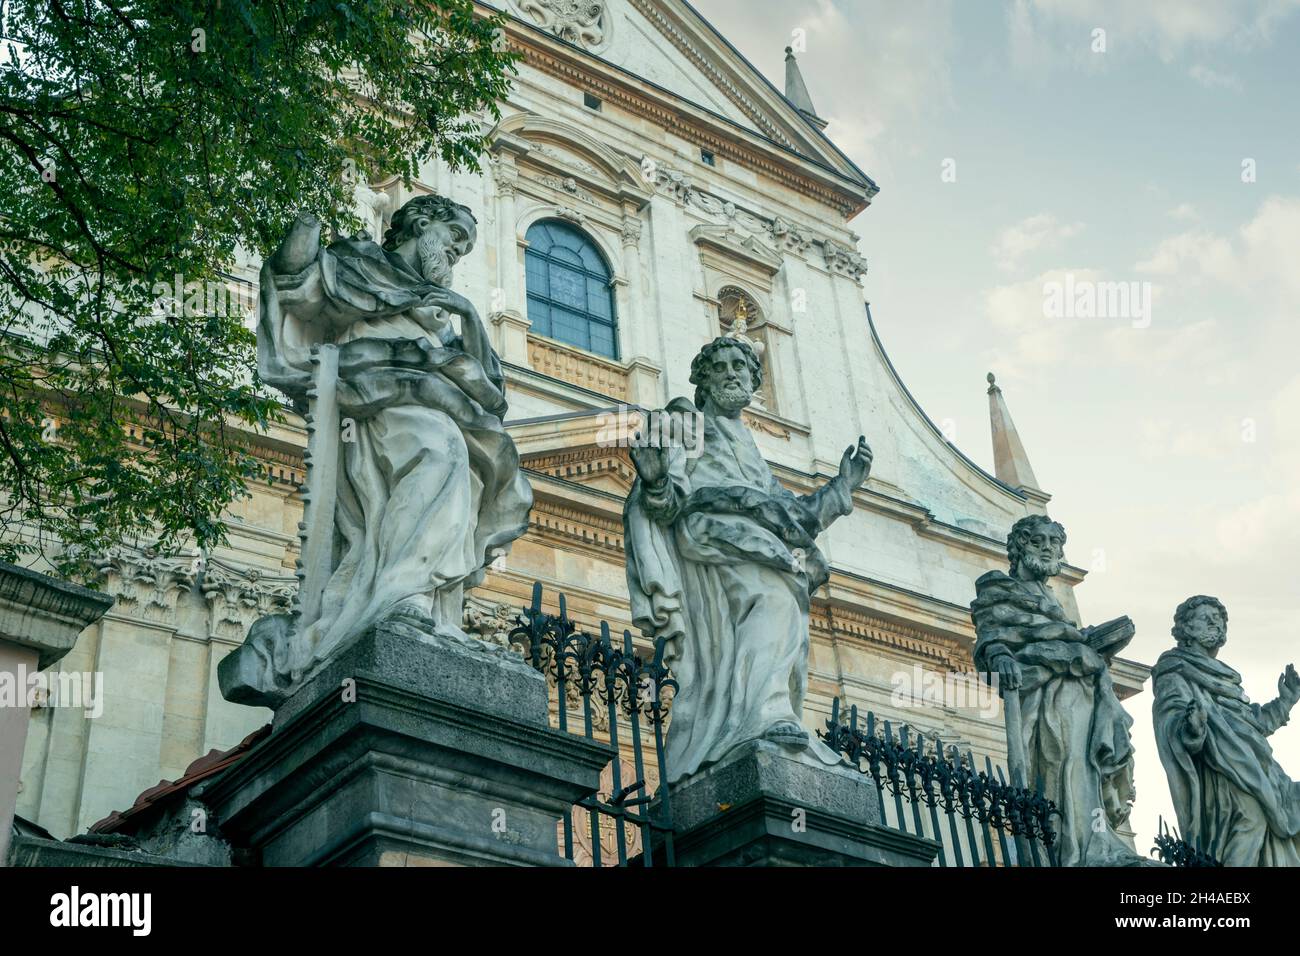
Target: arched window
570 298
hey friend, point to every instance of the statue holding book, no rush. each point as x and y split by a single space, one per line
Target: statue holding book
1065 721
413 486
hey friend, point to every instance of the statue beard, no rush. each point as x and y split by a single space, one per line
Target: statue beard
729 398
435 265
1212 644
1041 568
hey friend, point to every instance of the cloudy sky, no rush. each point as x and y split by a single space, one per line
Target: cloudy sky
1170 441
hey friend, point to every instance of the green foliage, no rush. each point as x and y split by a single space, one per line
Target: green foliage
145 140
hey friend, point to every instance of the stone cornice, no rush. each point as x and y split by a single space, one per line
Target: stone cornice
734 143
699 59
43 613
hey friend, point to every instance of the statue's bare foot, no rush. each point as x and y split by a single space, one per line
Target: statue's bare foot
786 732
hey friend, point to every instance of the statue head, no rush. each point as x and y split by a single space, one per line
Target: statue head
432 234
727 373
1036 548
1201 623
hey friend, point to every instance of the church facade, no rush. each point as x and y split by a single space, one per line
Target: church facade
647 190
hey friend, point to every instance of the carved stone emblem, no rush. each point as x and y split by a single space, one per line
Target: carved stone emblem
584 23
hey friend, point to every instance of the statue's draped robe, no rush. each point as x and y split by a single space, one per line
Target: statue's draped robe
1232 798
714 565
430 488
1076 734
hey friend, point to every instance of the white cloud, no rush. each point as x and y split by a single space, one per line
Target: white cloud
1212 79
1053 32
1038 233
1193 255
1258 261
1028 341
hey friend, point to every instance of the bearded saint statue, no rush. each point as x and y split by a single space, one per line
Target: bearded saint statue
1074 731
721 561
428 486
1233 799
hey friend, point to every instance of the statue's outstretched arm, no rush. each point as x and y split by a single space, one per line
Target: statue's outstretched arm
300 247
835 498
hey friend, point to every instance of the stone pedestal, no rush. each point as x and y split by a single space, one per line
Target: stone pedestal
410 750
40 619
762 806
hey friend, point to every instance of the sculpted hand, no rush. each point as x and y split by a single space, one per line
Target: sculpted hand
855 463
1288 685
1195 720
1058 631
453 302
651 462
1009 673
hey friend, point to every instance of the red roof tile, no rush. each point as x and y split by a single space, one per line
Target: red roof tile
211 763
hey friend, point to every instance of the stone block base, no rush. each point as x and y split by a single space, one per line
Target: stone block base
763 806
410 750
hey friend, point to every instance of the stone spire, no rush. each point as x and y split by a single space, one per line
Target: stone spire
1010 462
796 91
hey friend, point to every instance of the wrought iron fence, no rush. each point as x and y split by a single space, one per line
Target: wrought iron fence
612 685
1174 850
989 822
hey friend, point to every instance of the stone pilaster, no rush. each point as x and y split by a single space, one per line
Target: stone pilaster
508 306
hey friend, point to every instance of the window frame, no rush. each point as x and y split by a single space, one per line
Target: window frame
546 297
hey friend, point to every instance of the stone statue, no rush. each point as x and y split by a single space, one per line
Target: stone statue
721 559
413 485
1073 732
1232 798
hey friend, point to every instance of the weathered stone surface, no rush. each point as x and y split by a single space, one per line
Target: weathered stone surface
409 751
37 851
767 805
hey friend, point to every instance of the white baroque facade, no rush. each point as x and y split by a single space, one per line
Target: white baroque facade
705 192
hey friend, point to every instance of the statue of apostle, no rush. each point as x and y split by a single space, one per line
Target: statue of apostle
1233 800
1074 732
721 559
424 486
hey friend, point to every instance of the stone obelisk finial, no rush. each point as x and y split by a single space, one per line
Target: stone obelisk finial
1010 461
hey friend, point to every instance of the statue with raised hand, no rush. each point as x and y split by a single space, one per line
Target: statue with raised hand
721 560
1233 800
